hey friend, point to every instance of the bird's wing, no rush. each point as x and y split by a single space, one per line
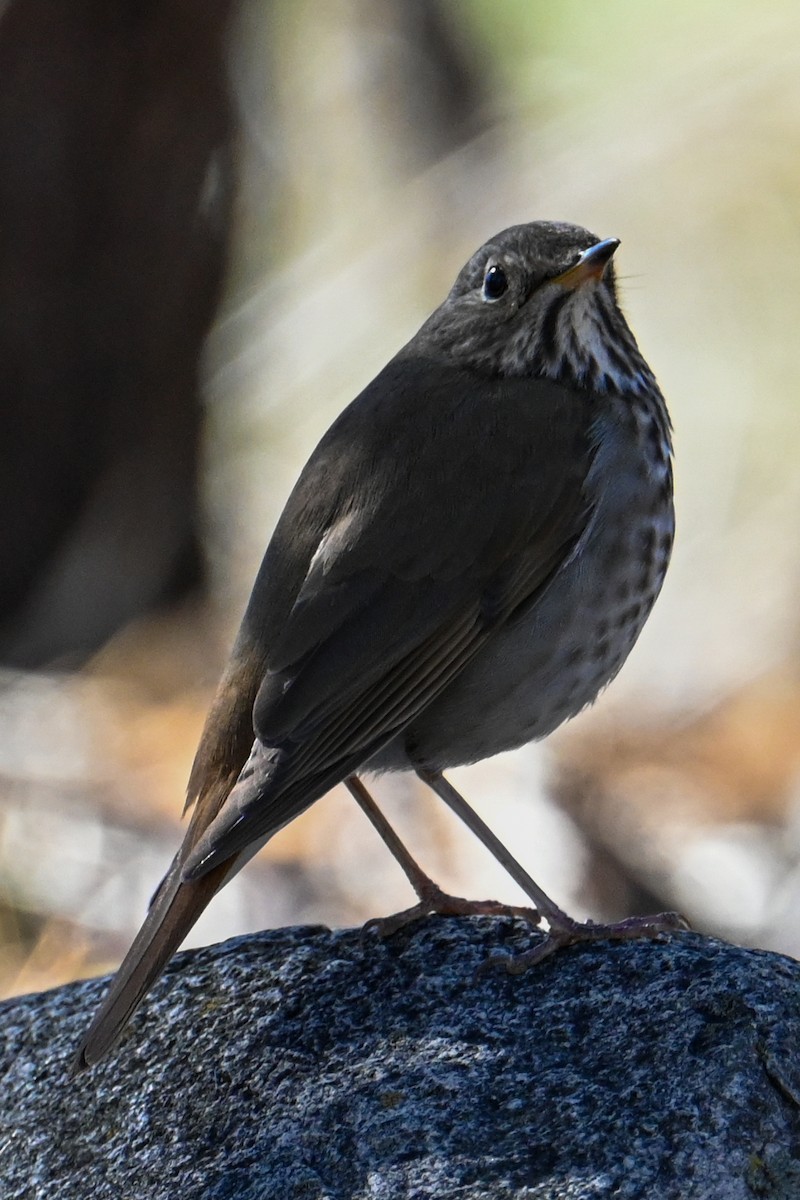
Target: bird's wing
403 546
454 503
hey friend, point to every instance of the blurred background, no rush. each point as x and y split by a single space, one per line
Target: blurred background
217 224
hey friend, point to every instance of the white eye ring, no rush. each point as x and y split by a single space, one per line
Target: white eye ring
495 283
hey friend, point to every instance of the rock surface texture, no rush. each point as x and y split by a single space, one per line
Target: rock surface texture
308 1064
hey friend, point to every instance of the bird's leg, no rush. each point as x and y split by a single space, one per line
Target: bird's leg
563 930
431 897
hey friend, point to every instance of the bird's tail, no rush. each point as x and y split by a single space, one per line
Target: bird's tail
175 908
224 746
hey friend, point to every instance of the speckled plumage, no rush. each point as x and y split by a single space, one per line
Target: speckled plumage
466 560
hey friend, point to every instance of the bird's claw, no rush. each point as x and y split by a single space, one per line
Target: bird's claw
438 903
567 932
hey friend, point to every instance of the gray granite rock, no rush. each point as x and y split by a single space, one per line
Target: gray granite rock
308 1064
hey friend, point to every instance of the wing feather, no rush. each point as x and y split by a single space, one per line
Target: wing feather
438 544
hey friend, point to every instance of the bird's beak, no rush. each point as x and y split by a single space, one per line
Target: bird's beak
591 264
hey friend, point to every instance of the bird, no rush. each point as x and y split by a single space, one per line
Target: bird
465 561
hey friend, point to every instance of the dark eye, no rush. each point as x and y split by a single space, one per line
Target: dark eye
495 283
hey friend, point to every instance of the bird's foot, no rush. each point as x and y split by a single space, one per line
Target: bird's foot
434 902
566 932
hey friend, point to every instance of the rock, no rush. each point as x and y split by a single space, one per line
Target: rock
307 1064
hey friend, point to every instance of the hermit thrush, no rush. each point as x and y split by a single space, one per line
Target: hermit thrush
466 560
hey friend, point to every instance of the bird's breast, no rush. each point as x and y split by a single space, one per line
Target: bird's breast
551 661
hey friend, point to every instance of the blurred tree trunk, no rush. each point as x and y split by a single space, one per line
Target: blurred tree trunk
115 193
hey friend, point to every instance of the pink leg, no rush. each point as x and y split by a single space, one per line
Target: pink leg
431 897
563 930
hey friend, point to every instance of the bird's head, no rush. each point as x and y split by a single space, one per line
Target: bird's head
540 300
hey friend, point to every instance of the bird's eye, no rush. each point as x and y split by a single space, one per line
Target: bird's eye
495 283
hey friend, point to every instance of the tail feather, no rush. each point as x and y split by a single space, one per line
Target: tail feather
177 904
175 908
